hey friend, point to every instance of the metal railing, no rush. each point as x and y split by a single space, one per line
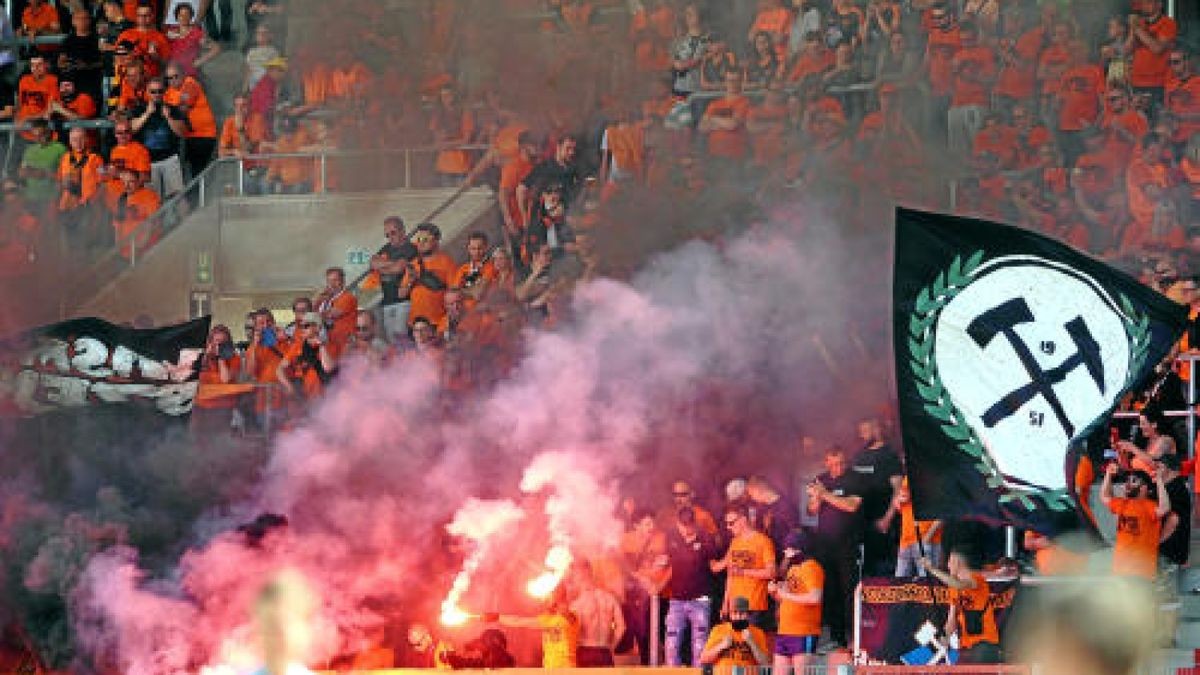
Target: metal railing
250 175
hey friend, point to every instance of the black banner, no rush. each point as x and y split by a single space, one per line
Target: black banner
84 362
903 620
1010 348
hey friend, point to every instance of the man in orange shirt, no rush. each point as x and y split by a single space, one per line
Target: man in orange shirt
132 90
126 154
749 564
428 276
149 43
1146 183
79 181
40 18
511 176
1124 125
131 208
478 268
1139 517
918 538
1078 101
1182 93
308 363
800 595
71 103
972 615
267 346
200 140
338 308
35 92
1151 36
1053 62
974 69
724 123
944 42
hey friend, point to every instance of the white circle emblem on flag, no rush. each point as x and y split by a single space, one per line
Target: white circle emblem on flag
1031 353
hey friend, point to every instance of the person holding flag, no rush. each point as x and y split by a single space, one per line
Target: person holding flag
971 615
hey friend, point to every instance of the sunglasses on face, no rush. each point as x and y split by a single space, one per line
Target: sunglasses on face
362 328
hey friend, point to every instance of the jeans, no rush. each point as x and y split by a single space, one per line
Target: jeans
906 559
680 615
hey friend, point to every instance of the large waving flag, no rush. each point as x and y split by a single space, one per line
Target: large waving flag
84 362
1010 349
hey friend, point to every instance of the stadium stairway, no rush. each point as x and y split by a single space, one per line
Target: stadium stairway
237 253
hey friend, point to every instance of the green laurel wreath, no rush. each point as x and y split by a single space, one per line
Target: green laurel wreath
928 307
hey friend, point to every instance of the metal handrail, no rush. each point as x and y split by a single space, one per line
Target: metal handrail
25 41
483 163
98 123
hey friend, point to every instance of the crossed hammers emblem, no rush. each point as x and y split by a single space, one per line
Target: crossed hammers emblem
1003 320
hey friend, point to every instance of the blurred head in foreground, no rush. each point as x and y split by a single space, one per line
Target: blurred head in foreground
1085 628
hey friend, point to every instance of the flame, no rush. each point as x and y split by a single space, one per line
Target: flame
558 561
235 656
452 615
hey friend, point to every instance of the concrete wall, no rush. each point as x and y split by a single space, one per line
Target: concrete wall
262 251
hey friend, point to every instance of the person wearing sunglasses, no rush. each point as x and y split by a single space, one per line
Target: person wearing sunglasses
1182 93
749 564
160 127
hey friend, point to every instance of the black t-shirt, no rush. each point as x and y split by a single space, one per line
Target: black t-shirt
835 526
1175 547
777 520
549 173
691 577
86 62
874 468
157 135
389 284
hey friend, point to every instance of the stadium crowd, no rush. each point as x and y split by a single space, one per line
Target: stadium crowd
1081 126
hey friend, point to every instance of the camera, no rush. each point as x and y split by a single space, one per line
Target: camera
225 351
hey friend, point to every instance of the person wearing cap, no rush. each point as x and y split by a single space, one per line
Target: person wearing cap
1139 515
799 593
265 95
735 642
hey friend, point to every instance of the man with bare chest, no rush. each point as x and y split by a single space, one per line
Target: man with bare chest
601 623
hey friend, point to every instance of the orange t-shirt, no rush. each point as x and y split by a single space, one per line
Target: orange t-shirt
939 52
975 599
82 170
266 362
729 144
201 122
1019 80
84 106
753 550
627 143
142 40
130 96
1148 69
310 381
1000 141
810 63
1133 122
211 374
980 62
1182 97
455 162
232 140
138 207
486 272
802 618
768 145
34 96
1140 175
427 302
909 526
343 326
132 155
41 19
1054 60
1135 552
1079 90
511 175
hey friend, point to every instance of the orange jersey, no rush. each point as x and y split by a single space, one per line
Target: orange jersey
910 527
132 155
753 550
201 122
34 96
975 600
148 43
1018 79
41 19
939 54
1182 98
310 382
427 302
724 143
971 65
454 162
511 175
1148 69
1132 123
739 652
1137 179
83 105
627 143
1054 61
486 272
797 618
130 211
1136 550
346 305
266 363
210 373
1079 90
79 175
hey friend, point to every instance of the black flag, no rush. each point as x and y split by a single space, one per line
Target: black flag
84 362
1010 348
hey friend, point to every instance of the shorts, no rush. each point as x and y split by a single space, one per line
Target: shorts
795 645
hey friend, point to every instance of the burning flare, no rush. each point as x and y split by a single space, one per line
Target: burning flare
558 561
479 521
